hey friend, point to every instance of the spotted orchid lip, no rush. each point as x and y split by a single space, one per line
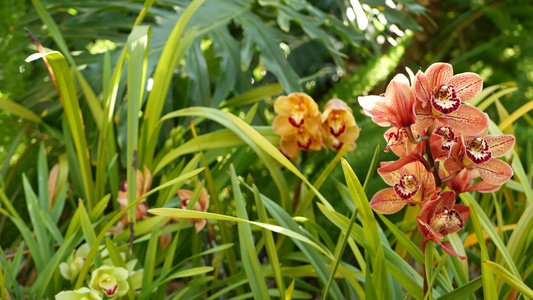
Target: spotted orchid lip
407 187
444 100
448 136
477 150
295 123
111 292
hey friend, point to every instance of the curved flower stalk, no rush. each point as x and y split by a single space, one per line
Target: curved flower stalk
441 217
477 154
110 280
79 294
70 269
411 184
440 94
338 125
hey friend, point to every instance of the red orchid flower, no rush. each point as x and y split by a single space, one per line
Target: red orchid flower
441 217
395 107
411 184
478 154
440 94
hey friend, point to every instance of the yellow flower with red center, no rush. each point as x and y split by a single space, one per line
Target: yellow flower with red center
295 111
339 125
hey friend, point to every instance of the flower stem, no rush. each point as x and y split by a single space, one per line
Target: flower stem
411 136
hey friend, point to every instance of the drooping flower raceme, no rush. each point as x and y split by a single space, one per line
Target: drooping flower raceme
441 143
110 280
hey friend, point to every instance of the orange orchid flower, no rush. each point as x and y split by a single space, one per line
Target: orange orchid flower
294 111
440 94
395 107
478 154
200 205
412 185
441 217
144 182
303 139
339 125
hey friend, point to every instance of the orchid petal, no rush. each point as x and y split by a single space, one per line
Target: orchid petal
467 120
495 171
447 246
282 126
439 73
421 88
466 85
386 201
483 187
499 145
401 100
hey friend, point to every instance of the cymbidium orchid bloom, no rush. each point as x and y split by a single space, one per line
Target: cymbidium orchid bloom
478 155
440 94
411 184
441 217
339 125
144 182
295 111
70 269
303 139
110 280
200 205
79 294
395 107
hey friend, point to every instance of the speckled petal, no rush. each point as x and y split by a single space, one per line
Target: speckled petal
495 171
467 120
422 89
467 85
387 202
499 145
439 73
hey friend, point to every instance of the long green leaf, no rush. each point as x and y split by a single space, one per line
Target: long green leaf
270 244
137 56
72 110
182 213
250 261
19 110
35 215
509 278
489 286
162 77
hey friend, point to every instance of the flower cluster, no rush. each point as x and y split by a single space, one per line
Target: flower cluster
442 145
302 127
